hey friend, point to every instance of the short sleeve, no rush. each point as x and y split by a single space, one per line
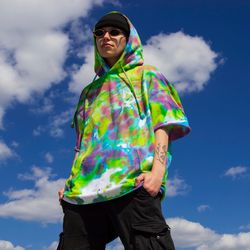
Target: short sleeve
166 108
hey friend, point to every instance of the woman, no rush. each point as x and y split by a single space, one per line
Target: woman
125 121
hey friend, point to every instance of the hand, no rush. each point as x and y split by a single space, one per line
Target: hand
60 194
151 182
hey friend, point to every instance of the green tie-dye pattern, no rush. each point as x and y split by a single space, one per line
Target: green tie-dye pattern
115 120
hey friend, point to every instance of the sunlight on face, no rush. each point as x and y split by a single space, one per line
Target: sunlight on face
109 46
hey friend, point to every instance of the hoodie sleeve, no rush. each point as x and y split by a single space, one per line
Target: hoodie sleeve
166 108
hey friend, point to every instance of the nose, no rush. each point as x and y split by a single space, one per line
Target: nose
106 35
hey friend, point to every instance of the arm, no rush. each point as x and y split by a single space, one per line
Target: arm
153 180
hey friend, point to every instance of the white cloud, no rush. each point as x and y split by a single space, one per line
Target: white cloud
37 204
192 234
14 144
52 246
37 65
33 47
230 242
245 227
49 157
188 234
177 186
36 173
2 112
56 124
185 60
203 208
84 75
41 204
38 130
80 33
46 107
236 171
59 121
5 152
6 245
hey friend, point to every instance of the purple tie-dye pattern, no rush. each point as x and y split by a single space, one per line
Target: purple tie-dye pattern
115 121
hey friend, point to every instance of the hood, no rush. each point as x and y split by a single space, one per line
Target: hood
131 57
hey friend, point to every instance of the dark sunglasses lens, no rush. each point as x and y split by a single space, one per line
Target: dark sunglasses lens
99 33
114 32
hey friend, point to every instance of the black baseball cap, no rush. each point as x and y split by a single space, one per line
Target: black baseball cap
114 19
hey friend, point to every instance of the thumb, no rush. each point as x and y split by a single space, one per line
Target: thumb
139 179
60 193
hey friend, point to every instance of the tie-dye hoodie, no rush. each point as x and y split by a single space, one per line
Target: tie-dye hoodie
115 121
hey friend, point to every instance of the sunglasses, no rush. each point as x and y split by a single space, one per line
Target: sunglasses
102 32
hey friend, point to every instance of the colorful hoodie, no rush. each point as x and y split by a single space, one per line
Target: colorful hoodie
115 121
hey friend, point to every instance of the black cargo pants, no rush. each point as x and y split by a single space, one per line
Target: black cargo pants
136 218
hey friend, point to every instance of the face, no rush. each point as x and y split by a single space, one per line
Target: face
110 42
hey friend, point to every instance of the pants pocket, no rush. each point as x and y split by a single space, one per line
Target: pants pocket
152 236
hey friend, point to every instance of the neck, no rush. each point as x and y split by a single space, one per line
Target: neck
111 61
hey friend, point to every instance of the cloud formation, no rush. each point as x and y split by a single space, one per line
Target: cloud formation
41 204
177 186
5 152
59 121
49 157
46 107
55 128
203 208
52 246
237 171
192 234
188 234
84 75
245 227
37 204
188 61
7 245
33 46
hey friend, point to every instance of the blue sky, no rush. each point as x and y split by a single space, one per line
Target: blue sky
45 61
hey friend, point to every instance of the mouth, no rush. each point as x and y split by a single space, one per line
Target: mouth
106 45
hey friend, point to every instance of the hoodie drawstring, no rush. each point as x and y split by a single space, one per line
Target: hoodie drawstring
130 85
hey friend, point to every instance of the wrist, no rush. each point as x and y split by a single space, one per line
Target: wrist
158 173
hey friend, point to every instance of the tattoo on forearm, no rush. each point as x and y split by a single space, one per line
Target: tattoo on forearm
161 153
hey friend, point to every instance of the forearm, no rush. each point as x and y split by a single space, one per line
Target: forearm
160 154
152 180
